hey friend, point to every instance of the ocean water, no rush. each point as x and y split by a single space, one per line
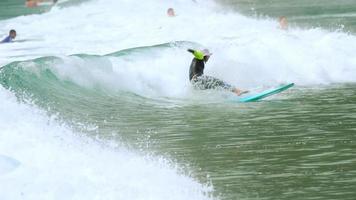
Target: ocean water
96 102
329 14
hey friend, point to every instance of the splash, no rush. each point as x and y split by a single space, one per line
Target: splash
42 159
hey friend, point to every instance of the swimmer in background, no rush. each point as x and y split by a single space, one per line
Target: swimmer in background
10 37
31 3
283 23
170 12
35 3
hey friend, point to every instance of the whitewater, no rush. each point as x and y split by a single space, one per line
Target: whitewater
41 159
121 47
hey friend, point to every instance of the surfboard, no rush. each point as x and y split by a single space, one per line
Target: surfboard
266 93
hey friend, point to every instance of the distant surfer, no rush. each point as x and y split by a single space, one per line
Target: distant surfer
10 37
203 82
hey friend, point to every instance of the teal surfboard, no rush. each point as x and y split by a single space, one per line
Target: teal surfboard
266 93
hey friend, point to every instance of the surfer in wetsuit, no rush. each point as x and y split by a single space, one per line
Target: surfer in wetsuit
10 37
203 82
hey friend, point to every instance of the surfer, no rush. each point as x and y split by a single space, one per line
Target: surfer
203 82
10 37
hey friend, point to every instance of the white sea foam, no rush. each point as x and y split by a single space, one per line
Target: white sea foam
43 160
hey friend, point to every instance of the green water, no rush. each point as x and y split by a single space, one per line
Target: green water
300 145
15 8
328 14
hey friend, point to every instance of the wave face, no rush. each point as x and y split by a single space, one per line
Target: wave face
161 71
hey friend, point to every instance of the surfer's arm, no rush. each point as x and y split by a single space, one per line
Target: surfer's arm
190 50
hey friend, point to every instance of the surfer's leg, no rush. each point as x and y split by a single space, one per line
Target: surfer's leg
214 83
202 82
209 82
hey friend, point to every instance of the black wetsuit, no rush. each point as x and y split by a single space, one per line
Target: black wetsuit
196 68
200 81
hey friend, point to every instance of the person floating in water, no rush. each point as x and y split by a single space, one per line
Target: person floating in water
10 37
283 23
170 12
35 3
203 82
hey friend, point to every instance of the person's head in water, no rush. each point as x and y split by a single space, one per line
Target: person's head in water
12 34
35 3
283 23
170 12
10 37
31 3
206 54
